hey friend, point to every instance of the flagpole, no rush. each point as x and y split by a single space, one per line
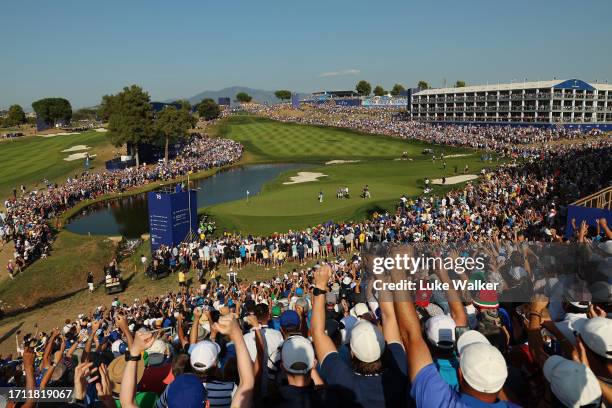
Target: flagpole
189 201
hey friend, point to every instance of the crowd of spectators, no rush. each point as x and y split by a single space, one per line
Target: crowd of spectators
319 334
503 139
25 220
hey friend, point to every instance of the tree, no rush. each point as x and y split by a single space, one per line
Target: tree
106 107
363 88
459 84
52 110
184 103
130 117
379 91
15 116
243 97
397 90
172 125
423 85
283 94
208 109
85 114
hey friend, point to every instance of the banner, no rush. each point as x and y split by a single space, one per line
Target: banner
590 215
170 216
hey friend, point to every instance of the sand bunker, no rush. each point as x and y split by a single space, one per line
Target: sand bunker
304 177
450 156
78 156
101 130
61 134
455 179
342 161
76 148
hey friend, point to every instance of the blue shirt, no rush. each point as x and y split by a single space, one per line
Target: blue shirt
430 390
386 390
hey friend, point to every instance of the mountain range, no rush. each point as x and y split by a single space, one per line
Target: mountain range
258 95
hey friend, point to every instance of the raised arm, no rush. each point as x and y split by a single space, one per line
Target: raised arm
454 299
322 343
28 368
179 328
193 334
417 352
243 397
536 343
389 323
49 347
142 341
94 328
122 323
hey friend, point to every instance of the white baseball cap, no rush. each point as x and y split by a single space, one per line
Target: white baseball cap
573 384
297 355
204 355
470 337
157 352
118 347
483 367
367 341
440 331
597 335
359 310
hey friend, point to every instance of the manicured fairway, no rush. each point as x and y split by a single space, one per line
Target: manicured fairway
29 160
279 207
267 140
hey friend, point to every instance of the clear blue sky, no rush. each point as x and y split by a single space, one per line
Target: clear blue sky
176 48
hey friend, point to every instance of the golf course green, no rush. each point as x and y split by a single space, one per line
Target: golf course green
374 161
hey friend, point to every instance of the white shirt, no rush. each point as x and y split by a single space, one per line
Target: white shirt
273 339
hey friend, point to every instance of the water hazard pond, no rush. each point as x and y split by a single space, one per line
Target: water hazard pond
128 216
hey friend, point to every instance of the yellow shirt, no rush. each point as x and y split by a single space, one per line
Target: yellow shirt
181 277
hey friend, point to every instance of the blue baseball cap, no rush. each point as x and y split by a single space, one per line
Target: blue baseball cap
186 391
299 291
289 318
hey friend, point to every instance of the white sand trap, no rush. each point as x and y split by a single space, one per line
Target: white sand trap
304 177
341 161
101 130
450 156
401 158
78 156
76 148
61 134
455 179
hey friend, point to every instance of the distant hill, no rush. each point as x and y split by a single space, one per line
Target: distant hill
258 95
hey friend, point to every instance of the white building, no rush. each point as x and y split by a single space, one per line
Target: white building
569 102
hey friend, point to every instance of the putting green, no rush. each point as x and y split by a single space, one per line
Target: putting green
279 207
